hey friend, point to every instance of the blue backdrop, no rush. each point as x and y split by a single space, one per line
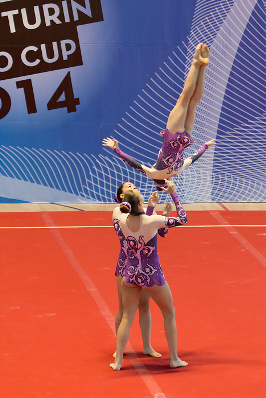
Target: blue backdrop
74 72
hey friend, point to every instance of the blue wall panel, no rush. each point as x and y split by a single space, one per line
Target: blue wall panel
124 68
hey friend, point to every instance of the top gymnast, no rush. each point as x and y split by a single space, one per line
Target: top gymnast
177 135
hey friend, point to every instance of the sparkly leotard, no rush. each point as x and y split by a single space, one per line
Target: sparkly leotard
171 153
121 262
142 264
139 261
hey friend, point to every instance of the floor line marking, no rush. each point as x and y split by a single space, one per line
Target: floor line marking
101 304
233 232
223 206
110 226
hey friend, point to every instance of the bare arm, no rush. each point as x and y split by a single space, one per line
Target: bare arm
152 202
116 213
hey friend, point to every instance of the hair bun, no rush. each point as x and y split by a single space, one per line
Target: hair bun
123 205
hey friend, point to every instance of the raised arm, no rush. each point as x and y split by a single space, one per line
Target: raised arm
181 217
152 202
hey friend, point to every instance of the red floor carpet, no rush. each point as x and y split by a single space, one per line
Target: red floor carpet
58 303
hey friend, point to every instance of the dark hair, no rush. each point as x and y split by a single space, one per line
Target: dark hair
125 207
118 193
133 201
160 183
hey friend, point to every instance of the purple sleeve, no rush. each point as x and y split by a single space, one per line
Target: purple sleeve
181 214
199 153
162 231
128 160
149 211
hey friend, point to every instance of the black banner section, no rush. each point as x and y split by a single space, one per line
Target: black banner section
41 36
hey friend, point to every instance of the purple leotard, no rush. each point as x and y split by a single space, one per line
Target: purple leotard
142 264
171 153
138 260
121 262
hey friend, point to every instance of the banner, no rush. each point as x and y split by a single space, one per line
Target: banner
73 72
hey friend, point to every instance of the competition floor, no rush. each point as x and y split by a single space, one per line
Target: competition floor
58 303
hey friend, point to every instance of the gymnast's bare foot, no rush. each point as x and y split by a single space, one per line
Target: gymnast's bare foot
201 55
205 53
116 365
197 55
178 363
150 351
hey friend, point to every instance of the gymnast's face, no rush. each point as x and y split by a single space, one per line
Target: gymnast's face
127 186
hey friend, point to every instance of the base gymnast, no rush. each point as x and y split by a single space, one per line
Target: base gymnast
177 135
144 299
143 270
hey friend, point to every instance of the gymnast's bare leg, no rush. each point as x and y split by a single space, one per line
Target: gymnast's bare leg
130 297
144 319
198 92
163 298
180 117
145 324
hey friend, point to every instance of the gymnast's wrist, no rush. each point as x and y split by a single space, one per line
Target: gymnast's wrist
149 210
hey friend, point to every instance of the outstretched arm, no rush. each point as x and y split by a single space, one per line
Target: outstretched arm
113 144
191 159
